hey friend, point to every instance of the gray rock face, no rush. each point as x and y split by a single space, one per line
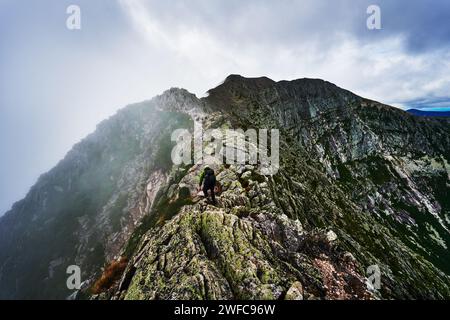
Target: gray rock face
295 292
212 253
84 210
360 184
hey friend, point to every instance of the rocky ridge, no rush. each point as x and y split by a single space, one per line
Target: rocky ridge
302 226
360 184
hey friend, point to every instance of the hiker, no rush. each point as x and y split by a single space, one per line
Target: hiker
208 179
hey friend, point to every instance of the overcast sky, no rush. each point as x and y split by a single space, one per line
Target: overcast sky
57 84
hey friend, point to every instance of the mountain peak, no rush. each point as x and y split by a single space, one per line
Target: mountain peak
177 99
238 78
235 81
353 174
236 85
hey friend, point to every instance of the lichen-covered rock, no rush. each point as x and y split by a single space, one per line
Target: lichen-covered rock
295 292
312 230
360 185
218 255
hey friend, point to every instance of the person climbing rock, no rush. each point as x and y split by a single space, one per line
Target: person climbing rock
208 179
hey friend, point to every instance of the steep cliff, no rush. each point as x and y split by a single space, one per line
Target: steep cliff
83 211
360 184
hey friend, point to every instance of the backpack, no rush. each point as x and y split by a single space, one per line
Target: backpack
210 179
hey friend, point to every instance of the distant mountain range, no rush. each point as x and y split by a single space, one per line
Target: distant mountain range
429 113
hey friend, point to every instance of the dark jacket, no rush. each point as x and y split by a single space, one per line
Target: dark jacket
208 178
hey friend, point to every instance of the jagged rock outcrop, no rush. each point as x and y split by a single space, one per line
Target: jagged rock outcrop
346 173
84 210
360 184
241 249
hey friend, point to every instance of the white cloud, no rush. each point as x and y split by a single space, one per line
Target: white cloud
382 70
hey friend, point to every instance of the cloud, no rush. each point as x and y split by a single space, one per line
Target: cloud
55 85
298 39
433 103
423 24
